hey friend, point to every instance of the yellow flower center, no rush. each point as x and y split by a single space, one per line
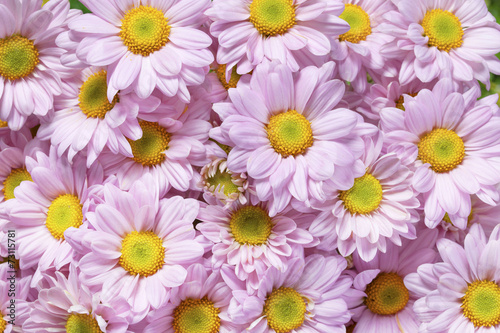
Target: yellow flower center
358 20
364 196
144 30
13 180
65 211
481 303
142 253
442 148
196 316
93 96
3 124
401 100
79 323
221 75
272 17
18 57
443 28
250 225
149 149
285 310
3 324
289 133
224 179
447 219
386 294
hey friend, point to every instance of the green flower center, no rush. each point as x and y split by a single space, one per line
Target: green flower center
196 316
481 303
289 133
285 310
144 30
82 323
149 149
93 96
386 294
18 57
250 225
364 196
224 179
272 17
442 148
358 20
443 28
65 211
13 180
142 253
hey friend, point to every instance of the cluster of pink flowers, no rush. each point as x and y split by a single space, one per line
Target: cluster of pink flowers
197 166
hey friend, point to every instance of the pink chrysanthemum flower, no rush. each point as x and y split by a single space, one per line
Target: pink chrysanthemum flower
69 306
30 69
198 305
357 50
286 134
247 237
14 293
451 38
379 207
461 294
253 31
86 121
452 142
386 304
140 247
168 149
146 44
43 210
306 297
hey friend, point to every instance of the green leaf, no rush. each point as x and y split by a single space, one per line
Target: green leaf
75 4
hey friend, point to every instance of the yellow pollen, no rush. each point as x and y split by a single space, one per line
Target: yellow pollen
442 148
221 75
401 100
18 57
13 180
285 310
272 17
386 294
3 324
65 211
144 30
196 316
289 133
3 124
78 323
93 96
149 150
358 20
364 196
443 28
481 303
250 225
142 253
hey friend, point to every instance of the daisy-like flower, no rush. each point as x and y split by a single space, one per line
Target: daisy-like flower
307 297
461 294
14 309
253 31
69 306
29 58
379 207
218 182
247 237
438 39
386 304
140 247
43 209
86 121
198 305
286 134
357 50
146 44
451 141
